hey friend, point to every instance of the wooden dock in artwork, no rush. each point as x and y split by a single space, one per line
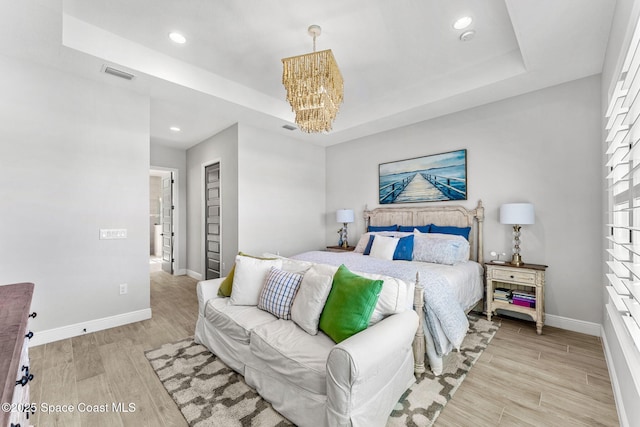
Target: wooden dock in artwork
422 187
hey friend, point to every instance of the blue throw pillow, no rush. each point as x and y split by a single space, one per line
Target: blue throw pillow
404 249
458 231
367 249
410 228
393 227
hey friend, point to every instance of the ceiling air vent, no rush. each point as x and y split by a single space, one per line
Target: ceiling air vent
289 127
118 73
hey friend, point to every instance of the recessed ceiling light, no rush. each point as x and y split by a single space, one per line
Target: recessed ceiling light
177 38
462 23
175 129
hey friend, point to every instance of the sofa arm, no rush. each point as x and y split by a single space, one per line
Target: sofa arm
373 361
206 290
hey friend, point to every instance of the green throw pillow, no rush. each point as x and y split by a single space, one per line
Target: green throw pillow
349 305
227 284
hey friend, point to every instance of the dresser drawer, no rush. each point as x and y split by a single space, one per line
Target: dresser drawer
526 277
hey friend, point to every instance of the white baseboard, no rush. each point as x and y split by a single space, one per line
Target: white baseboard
194 274
574 325
70 331
180 272
615 384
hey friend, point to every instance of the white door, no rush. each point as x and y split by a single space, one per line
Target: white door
166 219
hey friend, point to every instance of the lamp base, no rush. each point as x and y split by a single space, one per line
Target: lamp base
516 259
344 236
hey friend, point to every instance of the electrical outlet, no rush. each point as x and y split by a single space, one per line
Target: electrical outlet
123 288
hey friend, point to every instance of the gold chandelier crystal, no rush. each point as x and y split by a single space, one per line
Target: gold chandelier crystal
314 85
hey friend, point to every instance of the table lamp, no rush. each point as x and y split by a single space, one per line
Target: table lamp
517 214
344 216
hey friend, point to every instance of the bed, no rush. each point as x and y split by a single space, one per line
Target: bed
444 294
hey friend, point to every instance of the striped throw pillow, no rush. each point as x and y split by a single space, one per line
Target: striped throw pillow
278 292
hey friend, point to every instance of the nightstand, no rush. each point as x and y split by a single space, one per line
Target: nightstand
526 277
340 248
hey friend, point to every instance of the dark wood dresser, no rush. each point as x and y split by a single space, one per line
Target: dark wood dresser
15 302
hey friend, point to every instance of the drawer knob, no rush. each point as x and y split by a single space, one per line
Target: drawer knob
29 335
33 315
511 276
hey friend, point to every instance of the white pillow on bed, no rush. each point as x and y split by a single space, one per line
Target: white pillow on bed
364 239
440 248
383 247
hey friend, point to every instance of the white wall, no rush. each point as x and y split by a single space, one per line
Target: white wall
223 148
542 147
273 194
74 158
175 159
281 189
626 392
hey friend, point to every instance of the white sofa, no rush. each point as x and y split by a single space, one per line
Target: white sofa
310 379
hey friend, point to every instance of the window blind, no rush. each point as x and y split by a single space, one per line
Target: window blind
622 157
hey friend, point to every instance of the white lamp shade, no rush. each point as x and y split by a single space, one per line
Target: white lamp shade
517 213
344 215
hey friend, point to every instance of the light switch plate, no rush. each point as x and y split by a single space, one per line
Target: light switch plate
113 233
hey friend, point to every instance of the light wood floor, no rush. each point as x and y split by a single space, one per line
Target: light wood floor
557 379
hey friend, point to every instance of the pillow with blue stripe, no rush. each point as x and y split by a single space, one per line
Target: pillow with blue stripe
404 249
278 292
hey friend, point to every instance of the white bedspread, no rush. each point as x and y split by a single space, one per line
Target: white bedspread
449 290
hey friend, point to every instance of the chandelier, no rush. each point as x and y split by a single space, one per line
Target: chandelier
314 87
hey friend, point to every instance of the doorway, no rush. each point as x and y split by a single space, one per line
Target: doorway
161 221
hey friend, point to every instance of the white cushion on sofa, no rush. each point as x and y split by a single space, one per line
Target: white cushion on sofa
396 296
289 351
235 321
249 277
312 294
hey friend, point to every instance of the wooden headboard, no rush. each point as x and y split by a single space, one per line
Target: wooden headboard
451 215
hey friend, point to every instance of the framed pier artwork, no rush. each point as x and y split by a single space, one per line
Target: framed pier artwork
434 178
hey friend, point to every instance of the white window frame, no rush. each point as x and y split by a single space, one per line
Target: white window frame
622 160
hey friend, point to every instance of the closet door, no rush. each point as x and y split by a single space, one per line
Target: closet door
212 221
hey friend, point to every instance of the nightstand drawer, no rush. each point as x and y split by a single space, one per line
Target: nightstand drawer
526 277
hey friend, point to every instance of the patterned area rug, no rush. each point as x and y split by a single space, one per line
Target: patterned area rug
209 393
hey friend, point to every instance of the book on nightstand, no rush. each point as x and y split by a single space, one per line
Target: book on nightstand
502 294
524 298
523 302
